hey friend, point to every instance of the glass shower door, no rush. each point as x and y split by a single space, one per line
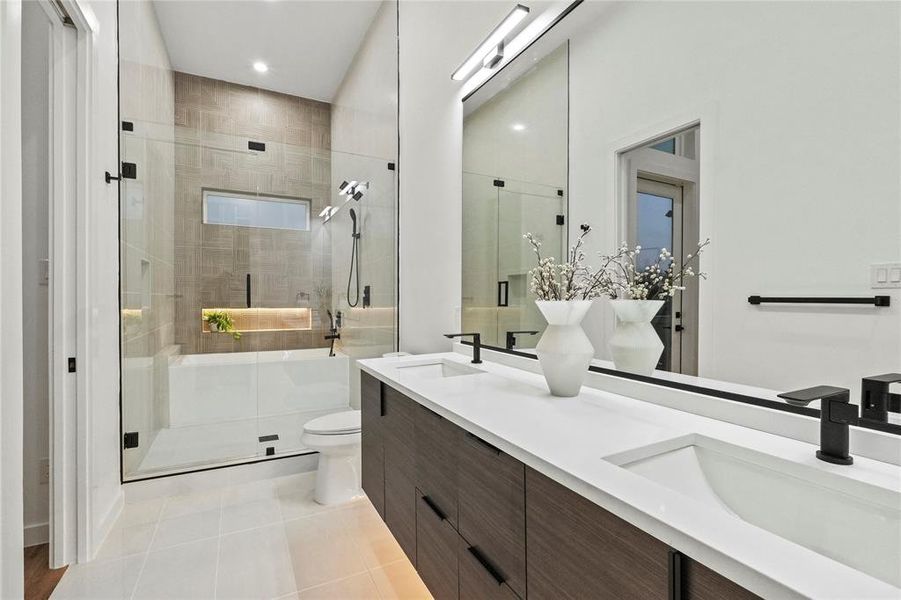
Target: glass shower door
482 288
522 208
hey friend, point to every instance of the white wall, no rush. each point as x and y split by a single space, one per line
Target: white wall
363 142
35 246
800 187
101 342
435 37
11 567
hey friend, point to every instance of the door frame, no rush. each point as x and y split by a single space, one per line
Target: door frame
646 163
72 60
11 418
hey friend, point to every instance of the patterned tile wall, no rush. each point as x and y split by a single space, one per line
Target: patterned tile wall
214 120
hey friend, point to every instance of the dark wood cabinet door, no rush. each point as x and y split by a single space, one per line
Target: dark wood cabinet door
480 579
576 549
702 583
492 508
437 443
436 550
372 441
400 468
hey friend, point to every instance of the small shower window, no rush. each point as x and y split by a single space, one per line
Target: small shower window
248 210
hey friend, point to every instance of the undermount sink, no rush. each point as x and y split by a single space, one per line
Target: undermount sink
852 522
439 369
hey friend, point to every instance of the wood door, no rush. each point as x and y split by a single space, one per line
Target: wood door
437 442
400 468
372 441
576 549
436 550
492 508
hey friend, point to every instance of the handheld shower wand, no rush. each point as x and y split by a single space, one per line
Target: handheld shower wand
354 262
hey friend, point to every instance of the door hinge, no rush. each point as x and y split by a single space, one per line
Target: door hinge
561 220
72 364
129 170
130 439
498 183
258 146
391 166
128 126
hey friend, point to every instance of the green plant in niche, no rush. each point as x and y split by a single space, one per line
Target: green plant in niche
221 321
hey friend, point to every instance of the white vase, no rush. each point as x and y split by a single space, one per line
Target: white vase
564 351
635 345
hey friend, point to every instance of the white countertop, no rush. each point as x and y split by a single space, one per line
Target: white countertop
567 439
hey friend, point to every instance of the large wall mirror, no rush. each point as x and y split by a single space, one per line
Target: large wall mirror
774 130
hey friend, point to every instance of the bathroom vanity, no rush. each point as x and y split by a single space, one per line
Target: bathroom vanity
495 489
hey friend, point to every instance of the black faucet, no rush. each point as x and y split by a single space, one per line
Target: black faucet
476 344
511 337
836 414
875 399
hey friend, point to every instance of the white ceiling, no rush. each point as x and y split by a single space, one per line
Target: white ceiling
308 45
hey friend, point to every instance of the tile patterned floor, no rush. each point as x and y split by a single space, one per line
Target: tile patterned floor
265 539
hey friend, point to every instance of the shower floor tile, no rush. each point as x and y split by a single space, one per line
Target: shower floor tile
288 547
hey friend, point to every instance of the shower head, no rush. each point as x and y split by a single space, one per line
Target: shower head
353 219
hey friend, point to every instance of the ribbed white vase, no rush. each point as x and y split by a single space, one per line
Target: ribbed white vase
564 351
635 345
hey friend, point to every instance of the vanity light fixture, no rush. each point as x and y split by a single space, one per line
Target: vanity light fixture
492 59
260 67
494 41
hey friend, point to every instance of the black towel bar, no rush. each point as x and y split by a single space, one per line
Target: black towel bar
871 300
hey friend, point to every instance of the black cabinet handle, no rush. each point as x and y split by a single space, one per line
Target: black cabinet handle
435 509
675 575
482 442
486 564
247 289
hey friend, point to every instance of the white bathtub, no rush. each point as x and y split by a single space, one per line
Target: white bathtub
212 388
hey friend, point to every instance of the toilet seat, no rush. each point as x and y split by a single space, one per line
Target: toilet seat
341 423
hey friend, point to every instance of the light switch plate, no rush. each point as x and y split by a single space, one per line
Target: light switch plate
885 276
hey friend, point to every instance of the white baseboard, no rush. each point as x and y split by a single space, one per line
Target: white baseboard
37 533
105 525
189 483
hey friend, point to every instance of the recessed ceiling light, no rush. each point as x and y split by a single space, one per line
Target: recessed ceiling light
518 127
260 67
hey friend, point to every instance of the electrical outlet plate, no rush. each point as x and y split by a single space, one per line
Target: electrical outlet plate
885 276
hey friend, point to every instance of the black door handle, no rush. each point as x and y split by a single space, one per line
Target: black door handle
247 289
503 288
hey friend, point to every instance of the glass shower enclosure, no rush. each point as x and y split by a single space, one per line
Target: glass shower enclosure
234 254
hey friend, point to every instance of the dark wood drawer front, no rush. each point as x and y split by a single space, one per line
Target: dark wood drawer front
436 551
373 455
702 583
438 441
400 469
492 508
576 549
480 579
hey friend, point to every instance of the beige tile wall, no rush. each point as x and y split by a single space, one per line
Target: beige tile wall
214 120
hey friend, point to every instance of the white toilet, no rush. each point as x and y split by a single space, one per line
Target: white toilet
337 439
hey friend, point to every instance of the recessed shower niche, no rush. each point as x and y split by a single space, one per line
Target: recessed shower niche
234 170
